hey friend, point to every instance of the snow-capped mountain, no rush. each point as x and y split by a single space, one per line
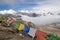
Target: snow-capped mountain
37 19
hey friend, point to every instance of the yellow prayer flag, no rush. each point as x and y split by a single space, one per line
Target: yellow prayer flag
21 27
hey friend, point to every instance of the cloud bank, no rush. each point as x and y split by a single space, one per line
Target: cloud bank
8 12
46 6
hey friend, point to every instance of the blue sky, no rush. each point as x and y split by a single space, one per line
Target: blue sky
26 4
18 4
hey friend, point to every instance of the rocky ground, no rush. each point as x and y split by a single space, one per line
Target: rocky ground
7 34
51 28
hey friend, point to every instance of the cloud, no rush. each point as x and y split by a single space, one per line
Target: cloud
46 9
28 4
25 11
12 3
42 20
16 3
46 6
7 11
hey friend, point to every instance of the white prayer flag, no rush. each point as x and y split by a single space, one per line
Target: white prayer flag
32 32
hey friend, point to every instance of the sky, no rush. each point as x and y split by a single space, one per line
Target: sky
37 6
34 5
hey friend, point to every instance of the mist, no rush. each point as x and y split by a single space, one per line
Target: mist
42 20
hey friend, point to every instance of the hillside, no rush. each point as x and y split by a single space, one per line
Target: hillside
53 28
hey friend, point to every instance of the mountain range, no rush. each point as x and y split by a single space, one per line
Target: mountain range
37 19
